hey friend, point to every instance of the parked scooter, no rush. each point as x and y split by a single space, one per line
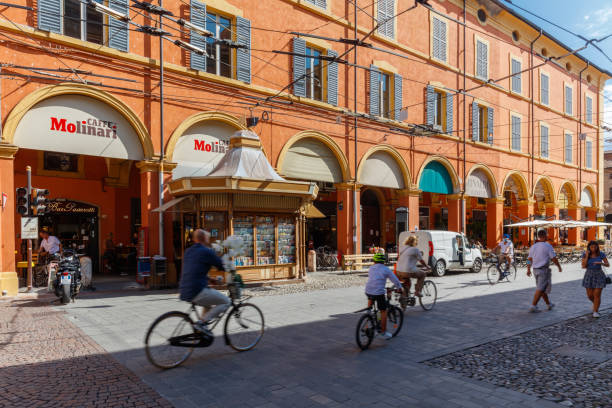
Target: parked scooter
68 276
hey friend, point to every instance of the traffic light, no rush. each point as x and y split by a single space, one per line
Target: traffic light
23 201
39 200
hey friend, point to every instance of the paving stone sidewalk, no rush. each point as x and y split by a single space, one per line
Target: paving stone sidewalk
46 361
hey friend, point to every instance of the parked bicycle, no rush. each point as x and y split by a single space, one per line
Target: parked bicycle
327 258
172 337
369 325
508 272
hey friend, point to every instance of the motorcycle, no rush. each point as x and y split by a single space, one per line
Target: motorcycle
67 282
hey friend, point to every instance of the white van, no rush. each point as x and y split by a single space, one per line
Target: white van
444 250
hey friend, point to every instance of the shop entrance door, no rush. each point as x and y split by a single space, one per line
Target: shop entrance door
370 220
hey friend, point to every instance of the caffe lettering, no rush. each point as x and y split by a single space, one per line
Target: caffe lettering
91 127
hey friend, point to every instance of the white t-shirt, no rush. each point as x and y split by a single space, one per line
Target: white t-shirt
408 259
541 253
51 244
507 247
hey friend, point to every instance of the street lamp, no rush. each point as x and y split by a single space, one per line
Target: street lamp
200 30
189 47
108 11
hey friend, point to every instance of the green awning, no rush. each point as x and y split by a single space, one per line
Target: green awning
435 179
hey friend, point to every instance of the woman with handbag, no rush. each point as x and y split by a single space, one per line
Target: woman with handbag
594 278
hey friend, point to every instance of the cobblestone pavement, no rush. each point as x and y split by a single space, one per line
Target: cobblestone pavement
46 361
315 281
568 362
308 355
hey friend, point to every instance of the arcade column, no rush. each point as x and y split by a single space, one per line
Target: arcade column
525 208
409 198
345 217
591 215
573 235
9 283
454 212
495 221
552 210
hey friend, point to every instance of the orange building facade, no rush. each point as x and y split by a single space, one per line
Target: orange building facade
462 117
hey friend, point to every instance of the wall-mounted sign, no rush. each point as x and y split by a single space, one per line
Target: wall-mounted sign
70 207
29 227
200 148
78 124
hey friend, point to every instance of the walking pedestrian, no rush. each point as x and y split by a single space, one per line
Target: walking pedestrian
594 278
541 254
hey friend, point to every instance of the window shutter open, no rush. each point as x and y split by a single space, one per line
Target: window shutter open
397 96
332 80
475 121
243 55
431 104
49 15
374 91
490 130
198 17
299 67
449 113
118 33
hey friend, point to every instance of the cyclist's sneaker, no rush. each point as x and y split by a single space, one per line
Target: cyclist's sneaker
387 335
596 315
202 327
533 309
550 306
404 302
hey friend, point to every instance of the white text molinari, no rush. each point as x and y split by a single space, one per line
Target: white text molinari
91 126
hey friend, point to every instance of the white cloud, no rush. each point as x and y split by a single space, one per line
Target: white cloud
598 24
587 17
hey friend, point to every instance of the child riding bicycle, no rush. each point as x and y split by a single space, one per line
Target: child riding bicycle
375 289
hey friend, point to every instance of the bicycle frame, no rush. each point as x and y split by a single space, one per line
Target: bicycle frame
235 302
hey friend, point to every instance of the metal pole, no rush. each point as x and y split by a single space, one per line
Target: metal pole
463 227
29 173
355 209
161 136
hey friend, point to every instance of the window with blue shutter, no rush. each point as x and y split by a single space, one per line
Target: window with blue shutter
374 91
439 39
589 110
589 154
544 141
118 34
243 55
397 96
430 96
386 17
482 60
218 54
544 80
475 122
490 127
198 17
332 79
319 3
449 114
516 133
314 74
568 100
299 67
516 75
49 15
568 147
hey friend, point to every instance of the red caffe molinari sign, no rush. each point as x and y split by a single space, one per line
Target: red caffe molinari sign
91 126
218 146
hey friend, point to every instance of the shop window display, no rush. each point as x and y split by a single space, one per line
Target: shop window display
214 222
286 241
265 240
243 227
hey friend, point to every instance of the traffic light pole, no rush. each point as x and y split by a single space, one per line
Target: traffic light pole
29 173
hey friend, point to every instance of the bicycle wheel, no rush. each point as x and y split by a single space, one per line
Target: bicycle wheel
395 319
366 327
167 327
244 327
511 273
430 295
493 274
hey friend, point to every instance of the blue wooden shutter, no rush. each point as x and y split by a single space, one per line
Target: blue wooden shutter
589 154
118 33
568 148
299 67
543 141
449 113
475 121
568 100
544 89
374 91
516 79
49 15
516 133
490 118
321 3
332 79
589 110
397 96
198 17
481 60
243 56
431 104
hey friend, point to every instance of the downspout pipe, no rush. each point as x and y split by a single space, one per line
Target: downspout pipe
531 109
356 210
580 116
463 227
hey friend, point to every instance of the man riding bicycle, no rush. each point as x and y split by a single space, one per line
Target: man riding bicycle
506 253
375 289
197 261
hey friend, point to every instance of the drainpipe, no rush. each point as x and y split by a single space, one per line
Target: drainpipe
355 209
580 128
161 136
531 119
463 226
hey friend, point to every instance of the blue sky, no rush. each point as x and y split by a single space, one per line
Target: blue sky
589 18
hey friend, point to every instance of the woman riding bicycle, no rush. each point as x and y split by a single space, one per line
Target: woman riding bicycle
375 289
407 268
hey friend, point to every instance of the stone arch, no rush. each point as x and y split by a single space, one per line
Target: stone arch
544 188
41 94
488 173
568 191
447 165
321 138
395 156
517 178
197 118
590 191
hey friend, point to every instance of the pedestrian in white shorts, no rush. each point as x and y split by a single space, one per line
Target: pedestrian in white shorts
541 254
